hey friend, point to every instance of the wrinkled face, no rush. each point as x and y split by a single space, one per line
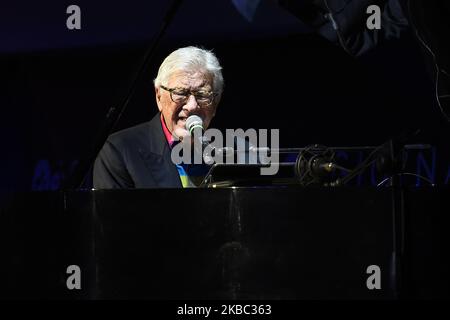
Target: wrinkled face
175 114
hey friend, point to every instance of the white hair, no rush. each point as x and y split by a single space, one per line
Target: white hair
191 59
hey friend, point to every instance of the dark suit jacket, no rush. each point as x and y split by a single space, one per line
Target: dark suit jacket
137 157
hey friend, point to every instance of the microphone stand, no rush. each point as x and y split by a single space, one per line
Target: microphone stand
114 113
398 273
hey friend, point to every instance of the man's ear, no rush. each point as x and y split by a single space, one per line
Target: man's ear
216 105
158 98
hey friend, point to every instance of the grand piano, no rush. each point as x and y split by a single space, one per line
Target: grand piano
232 243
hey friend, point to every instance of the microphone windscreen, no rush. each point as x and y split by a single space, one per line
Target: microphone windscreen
193 122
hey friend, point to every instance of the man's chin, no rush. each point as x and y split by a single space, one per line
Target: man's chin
179 125
179 130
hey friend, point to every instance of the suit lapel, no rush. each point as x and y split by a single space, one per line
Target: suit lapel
157 157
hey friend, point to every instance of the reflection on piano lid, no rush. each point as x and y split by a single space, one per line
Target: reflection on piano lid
247 175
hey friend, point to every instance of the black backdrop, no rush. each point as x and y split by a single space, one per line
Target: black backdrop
53 100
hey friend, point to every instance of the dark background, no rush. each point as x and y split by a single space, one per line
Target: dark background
57 85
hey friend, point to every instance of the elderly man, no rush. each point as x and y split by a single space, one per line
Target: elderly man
189 82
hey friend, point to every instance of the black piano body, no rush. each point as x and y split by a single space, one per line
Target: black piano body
227 243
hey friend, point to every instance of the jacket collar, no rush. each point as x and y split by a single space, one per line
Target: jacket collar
157 157
158 142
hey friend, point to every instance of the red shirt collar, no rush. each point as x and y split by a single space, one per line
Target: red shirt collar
167 134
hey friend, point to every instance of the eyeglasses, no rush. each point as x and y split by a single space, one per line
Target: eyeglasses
179 95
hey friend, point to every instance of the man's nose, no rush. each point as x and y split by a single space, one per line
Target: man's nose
191 103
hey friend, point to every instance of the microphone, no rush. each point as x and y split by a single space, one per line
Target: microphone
320 166
315 165
194 124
